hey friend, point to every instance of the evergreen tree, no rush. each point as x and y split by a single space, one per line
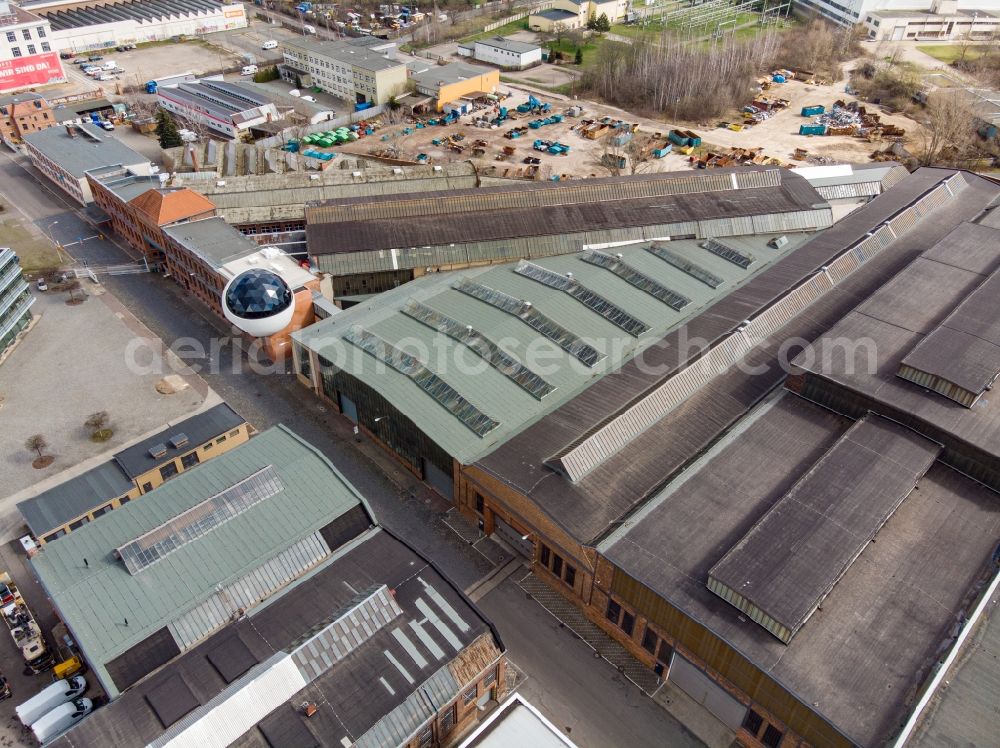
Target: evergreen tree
579 56
602 24
166 130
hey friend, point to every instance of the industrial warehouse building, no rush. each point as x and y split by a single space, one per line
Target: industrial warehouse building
387 240
352 70
255 601
660 486
226 108
509 54
82 27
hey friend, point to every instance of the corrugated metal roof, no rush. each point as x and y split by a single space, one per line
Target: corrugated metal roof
67 501
96 598
90 149
489 390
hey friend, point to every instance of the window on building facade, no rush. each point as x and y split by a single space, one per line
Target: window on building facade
469 696
628 623
15 51
102 510
545 556
220 439
570 576
31 49
124 500
11 36
557 564
772 737
490 678
79 523
480 504
46 47
26 33
752 722
650 640
448 720
147 487
614 612
234 432
426 737
169 470
622 618
41 32
190 460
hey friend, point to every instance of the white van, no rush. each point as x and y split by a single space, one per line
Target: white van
249 70
110 65
295 92
307 29
269 44
49 698
60 719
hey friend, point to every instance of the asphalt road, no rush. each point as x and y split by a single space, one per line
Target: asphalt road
576 691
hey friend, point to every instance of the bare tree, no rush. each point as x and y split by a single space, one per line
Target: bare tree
639 156
98 425
947 137
73 287
36 444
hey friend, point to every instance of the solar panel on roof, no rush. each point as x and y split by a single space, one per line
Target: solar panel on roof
695 271
740 259
590 299
635 278
199 520
540 323
489 351
424 378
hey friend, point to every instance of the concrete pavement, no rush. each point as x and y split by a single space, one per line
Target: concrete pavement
573 688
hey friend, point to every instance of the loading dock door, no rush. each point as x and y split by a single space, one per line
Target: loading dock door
513 538
439 480
690 679
347 407
898 32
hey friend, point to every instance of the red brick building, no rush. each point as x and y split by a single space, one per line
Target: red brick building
23 113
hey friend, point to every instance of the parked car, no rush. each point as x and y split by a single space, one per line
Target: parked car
269 44
67 55
95 58
104 124
41 285
295 92
60 719
309 98
249 70
106 77
307 29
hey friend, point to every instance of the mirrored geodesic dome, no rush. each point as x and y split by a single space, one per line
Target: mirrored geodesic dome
259 302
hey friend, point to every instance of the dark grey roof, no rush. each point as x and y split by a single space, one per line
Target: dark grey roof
74 497
588 508
797 551
861 657
91 148
555 14
136 460
350 694
131 10
21 97
965 349
537 209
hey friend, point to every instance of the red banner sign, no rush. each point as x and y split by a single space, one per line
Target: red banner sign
36 70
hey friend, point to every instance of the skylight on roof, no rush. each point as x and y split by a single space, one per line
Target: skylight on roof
684 265
740 259
489 351
424 378
590 299
635 278
199 520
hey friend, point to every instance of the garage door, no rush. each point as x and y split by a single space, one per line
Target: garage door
513 538
347 407
897 33
693 681
440 481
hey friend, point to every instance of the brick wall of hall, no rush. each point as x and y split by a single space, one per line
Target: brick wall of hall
521 513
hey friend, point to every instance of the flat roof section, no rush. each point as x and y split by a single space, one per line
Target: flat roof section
199 428
781 570
962 355
88 148
78 495
213 240
862 656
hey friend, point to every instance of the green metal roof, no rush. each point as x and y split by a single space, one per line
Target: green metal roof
95 593
489 389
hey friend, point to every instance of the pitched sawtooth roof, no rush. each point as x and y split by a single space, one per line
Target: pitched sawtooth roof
154 577
165 206
589 462
373 638
505 222
563 322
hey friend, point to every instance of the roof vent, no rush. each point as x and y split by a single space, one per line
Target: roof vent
355 173
569 275
397 170
221 183
158 451
437 168
528 304
179 440
778 242
619 255
314 177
